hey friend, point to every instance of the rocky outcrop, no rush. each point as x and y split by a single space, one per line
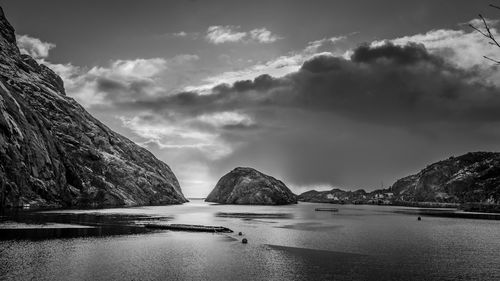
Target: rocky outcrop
472 177
250 187
53 153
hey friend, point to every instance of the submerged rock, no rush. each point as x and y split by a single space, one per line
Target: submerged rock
53 153
250 187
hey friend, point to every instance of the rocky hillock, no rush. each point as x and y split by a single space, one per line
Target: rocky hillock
250 187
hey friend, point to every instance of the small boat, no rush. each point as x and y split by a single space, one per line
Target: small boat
189 227
326 210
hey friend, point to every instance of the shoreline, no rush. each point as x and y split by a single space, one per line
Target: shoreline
465 208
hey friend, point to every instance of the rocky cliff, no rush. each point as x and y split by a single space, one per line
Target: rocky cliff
53 153
251 187
472 177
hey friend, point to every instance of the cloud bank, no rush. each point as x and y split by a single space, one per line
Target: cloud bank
336 116
321 116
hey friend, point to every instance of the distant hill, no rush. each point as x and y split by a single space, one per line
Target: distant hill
334 196
470 178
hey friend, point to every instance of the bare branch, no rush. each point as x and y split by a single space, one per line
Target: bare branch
488 34
493 60
479 30
495 6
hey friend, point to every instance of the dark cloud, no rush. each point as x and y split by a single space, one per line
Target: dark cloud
385 84
240 126
261 83
110 85
117 91
410 54
393 84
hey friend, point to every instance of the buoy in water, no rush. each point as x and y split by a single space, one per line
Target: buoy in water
239 233
419 218
244 241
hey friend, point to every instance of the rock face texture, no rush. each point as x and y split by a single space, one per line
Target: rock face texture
248 186
53 153
472 177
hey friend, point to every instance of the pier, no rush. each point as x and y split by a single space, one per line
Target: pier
326 210
190 227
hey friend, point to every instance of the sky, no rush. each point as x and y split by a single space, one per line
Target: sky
319 94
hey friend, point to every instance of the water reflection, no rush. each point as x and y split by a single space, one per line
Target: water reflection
357 243
54 225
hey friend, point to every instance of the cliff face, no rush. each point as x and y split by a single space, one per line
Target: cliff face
250 187
53 153
472 177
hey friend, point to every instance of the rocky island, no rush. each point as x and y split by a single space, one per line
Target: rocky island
53 153
248 186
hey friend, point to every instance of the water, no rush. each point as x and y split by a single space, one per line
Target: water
356 243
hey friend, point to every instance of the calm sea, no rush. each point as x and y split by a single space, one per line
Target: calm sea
292 242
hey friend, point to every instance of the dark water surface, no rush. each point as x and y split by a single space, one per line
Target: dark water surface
285 243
